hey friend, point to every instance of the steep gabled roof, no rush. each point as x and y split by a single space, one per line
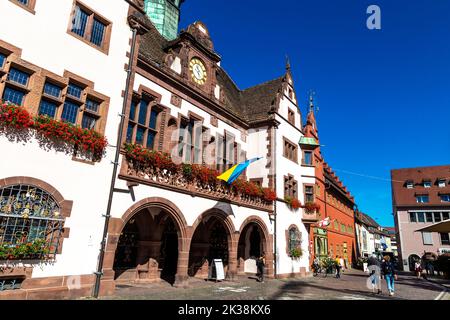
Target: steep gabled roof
258 100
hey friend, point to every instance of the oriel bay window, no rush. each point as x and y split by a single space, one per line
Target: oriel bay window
31 224
90 27
143 123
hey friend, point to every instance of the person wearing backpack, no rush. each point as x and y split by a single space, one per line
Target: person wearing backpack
389 273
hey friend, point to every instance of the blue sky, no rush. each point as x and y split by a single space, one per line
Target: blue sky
384 95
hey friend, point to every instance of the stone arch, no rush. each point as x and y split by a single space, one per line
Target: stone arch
118 224
267 241
199 268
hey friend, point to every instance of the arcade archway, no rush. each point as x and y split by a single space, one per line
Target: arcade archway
150 246
212 239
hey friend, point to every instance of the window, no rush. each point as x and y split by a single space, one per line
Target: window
13 96
336 225
88 121
295 239
29 215
309 194
48 108
420 217
445 215
18 77
445 239
2 60
290 187
308 158
225 151
445 197
190 140
410 184
291 117
290 150
437 217
52 90
70 112
429 216
342 227
422 199
142 124
90 27
427 184
441 182
427 238
25 4
74 91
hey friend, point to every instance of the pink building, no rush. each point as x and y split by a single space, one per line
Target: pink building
421 197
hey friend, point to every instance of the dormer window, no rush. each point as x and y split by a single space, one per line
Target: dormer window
422 198
427 184
410 184
441 183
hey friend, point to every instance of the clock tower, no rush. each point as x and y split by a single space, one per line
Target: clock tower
165 15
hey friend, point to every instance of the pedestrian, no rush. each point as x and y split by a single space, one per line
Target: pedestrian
418 268
374 267
342 264
389 273
431 267
338 267
260 264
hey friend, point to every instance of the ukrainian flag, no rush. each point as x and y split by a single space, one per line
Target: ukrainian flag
232 174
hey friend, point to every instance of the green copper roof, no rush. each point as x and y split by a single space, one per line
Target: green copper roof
308 141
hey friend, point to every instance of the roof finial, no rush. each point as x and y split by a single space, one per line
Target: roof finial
288 63
311 100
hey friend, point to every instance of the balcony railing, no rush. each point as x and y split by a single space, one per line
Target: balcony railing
178 181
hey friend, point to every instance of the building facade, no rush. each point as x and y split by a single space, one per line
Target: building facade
334 201
421 197
185 122
365 228
57 62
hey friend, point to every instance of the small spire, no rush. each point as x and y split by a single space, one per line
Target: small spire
288 64
311 101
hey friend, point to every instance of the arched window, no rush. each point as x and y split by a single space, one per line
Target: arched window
31 225
295 239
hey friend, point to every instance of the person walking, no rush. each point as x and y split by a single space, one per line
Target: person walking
260 264
418 268
389 273
338 267
374 267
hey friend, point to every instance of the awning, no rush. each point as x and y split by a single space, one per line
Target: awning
308 142
443 227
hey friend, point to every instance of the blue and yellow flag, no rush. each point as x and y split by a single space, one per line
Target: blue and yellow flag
232 174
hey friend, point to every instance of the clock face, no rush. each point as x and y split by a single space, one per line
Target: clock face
198 71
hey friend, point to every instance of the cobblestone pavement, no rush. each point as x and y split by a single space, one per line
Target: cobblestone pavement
351 286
